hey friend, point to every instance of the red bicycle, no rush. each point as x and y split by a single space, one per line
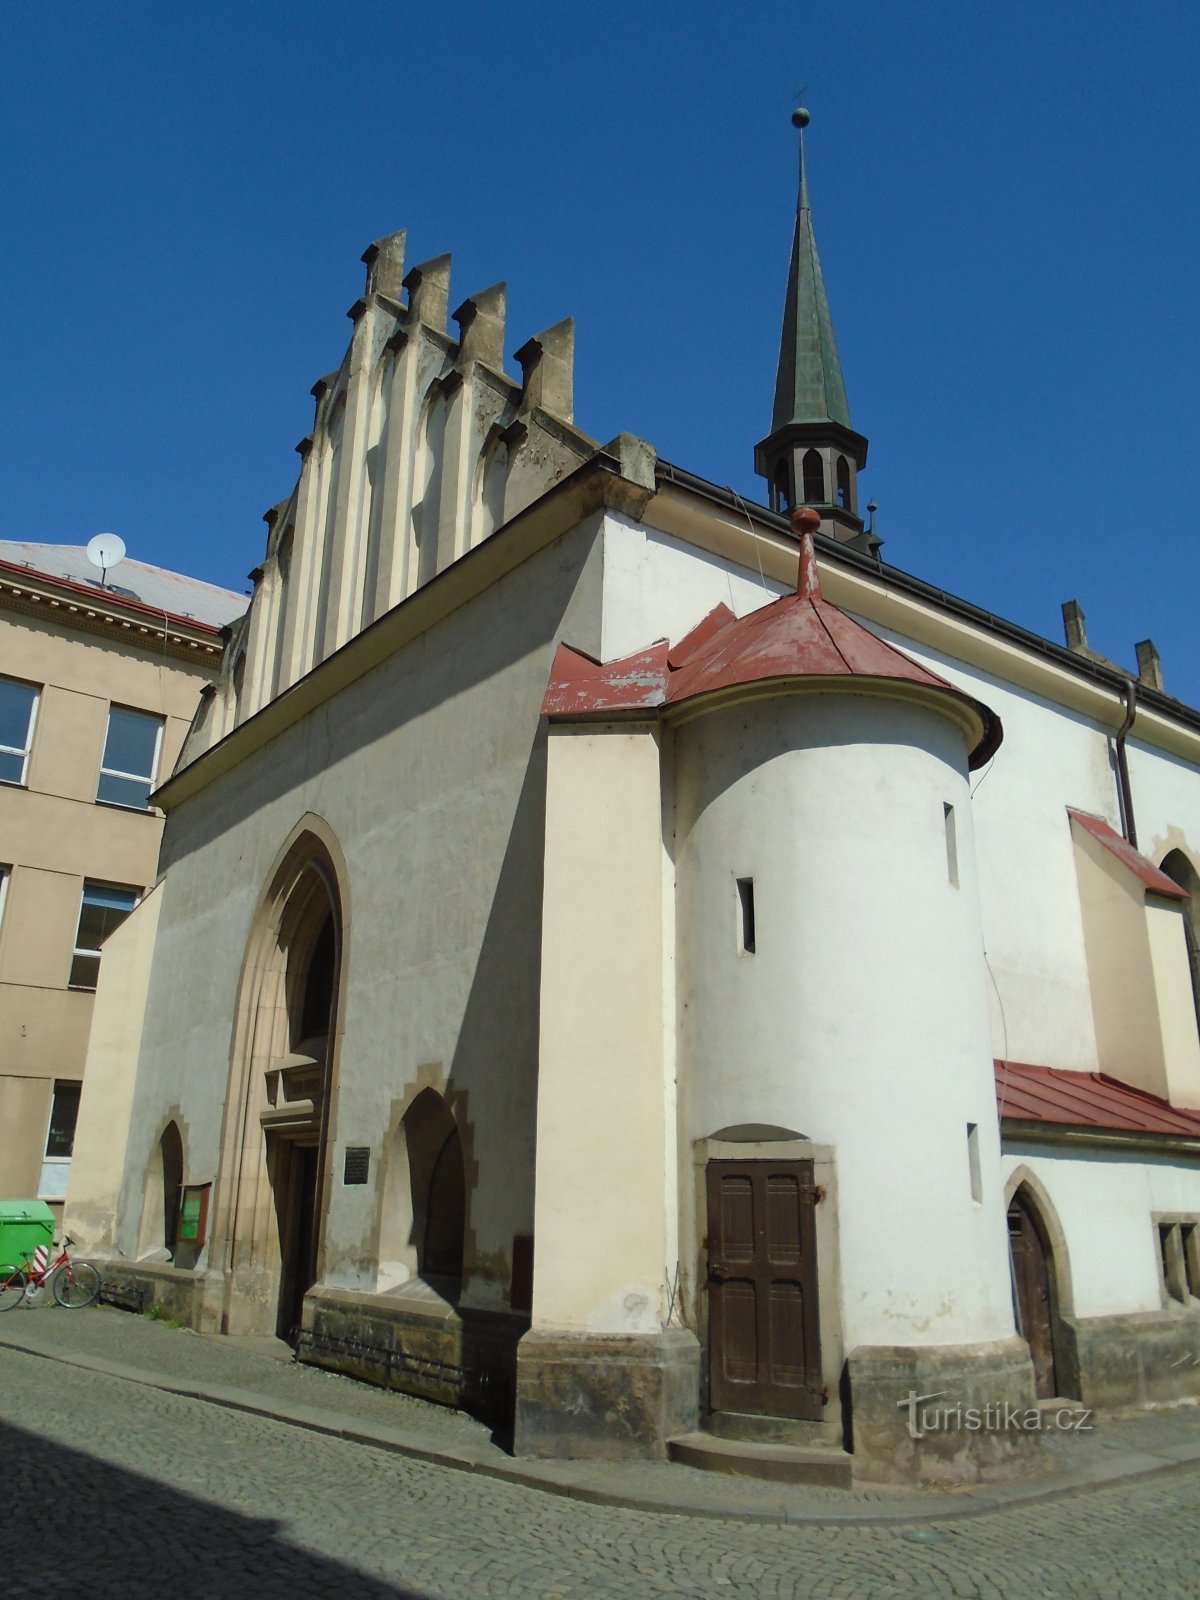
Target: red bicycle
76 1283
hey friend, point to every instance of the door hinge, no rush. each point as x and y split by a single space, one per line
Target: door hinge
814 1192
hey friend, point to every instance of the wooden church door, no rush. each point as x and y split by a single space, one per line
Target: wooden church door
1033 1292
764 1341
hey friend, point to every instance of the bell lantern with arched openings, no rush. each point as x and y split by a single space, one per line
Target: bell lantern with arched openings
812 455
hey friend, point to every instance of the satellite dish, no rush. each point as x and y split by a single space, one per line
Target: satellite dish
104 551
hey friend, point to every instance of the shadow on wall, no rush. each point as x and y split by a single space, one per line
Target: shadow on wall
500 1020
139 1532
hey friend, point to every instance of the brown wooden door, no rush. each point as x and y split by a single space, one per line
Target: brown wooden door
298 1237
1033 1292
764 1341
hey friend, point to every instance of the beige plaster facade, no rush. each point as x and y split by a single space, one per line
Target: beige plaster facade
69 653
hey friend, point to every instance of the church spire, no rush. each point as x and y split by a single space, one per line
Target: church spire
809 385
812 455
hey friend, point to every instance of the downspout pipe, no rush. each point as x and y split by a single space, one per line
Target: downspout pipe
1128 825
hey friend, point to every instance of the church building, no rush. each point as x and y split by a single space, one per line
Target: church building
589 980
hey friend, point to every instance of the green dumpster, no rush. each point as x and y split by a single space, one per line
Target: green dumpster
24 1224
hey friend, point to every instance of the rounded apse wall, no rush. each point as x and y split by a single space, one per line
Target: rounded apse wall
859 1017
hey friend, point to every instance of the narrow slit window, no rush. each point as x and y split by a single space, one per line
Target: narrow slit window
745 888
951 844
973 1162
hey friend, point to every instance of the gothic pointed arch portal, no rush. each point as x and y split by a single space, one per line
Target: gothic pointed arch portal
1041 1285
282 1088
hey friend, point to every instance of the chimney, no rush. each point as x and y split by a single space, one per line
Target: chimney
1149 664
547 364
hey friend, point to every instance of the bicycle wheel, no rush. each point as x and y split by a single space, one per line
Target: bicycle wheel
12 1290
77 1284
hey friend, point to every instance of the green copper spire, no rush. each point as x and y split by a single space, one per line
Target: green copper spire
808 386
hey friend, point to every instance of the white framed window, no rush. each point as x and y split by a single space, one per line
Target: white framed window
18 713
60 1140
130 762
104 907
5 874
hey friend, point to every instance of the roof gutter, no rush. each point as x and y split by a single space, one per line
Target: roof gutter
1111 678
1014 1130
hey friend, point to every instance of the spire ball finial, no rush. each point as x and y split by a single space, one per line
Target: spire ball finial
800 118
805 519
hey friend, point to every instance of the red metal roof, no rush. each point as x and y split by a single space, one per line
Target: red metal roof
579 684
1025 1093
1156 881
799 635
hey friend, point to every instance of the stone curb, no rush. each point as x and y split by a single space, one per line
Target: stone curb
573 1480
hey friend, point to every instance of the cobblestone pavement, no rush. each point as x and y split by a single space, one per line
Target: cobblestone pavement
243 1375
112 1488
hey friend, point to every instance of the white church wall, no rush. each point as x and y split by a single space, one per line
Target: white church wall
1105 1203
656 588
861 1025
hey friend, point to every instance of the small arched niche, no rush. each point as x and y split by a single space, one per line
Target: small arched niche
424 1200
491 481
161 1197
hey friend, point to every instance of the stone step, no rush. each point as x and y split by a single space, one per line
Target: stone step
773 1463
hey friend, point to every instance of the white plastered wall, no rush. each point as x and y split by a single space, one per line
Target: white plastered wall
859 1022
1105 1203
1039 991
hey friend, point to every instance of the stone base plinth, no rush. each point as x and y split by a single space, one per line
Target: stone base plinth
179 1295
1144 1358
590 1396
419 1343
943 1414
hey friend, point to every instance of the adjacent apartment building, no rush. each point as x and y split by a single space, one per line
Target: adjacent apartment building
99 682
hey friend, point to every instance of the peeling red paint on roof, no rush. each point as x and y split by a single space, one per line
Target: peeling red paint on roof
719 617
1025 1093
1157 882
580 685
800 635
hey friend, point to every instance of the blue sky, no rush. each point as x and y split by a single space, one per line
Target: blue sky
1004 196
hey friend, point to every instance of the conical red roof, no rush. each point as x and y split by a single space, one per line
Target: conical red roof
799 635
